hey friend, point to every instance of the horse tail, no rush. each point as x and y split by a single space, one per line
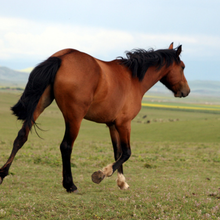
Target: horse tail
40 78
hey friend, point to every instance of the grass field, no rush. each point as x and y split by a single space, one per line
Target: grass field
173 173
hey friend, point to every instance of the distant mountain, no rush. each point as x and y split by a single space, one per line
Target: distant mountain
9 77
209 88
27 70
197 87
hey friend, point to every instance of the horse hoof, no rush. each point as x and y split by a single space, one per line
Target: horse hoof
125 186
98 176
1 180
76 191
72 190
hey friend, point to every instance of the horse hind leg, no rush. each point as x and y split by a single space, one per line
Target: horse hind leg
71 132
18 143
22 136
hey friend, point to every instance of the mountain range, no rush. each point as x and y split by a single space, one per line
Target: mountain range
9 77
14 78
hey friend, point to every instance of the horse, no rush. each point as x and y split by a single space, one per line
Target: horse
104 92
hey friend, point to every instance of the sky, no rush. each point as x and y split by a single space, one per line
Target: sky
31 31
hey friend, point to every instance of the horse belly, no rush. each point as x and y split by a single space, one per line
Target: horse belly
102 113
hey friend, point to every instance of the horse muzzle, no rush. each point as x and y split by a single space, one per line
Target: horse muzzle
183 92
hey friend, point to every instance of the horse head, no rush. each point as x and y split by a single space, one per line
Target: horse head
174 78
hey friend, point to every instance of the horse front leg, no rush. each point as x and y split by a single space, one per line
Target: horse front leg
120 135
18 143
117 153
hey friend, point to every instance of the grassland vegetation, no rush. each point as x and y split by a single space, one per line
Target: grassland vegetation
173 172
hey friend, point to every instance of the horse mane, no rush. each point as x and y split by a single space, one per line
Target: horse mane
139 60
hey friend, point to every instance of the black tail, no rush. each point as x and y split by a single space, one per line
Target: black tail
41 76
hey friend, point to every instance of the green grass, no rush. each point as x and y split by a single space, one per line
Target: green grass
173 172
192 103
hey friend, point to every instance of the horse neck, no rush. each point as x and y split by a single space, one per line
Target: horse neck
152 76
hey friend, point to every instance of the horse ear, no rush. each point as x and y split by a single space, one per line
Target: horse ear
171 46
179 50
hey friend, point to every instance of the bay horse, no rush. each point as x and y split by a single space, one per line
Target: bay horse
103 92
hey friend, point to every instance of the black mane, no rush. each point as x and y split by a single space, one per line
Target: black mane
138 61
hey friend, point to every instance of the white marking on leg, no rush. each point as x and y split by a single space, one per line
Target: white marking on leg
121 181
108 171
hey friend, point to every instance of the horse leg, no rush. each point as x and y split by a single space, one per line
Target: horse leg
18 143
117 153
22 136
124 136
72 129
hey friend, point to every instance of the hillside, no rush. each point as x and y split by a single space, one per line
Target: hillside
9 77
197 87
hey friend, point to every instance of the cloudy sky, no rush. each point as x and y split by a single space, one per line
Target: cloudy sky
30 31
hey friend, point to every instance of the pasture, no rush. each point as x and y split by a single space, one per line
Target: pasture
173 173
